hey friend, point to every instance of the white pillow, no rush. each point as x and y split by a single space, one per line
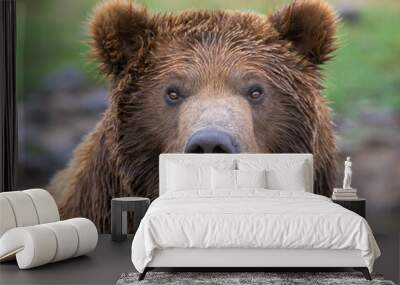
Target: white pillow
251 178
281 174
292 180
224 179
182 177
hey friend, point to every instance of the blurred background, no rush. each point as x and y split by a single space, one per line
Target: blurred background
61 95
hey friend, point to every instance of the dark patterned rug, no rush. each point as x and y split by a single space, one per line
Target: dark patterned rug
243 278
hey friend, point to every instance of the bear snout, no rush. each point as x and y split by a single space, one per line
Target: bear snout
212 141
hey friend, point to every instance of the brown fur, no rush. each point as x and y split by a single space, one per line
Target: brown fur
212 56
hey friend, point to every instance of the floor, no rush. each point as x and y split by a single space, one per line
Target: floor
389 262
110 260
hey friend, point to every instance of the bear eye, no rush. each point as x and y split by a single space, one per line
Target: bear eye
255 93
173 95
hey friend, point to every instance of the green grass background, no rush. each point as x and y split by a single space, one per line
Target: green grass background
51 36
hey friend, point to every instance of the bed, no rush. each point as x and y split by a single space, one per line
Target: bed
246 211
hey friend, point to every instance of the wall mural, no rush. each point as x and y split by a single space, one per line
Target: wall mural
201 82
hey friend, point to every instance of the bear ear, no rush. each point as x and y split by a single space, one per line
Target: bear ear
310 25
120 34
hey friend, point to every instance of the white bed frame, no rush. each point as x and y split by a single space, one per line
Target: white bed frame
245 258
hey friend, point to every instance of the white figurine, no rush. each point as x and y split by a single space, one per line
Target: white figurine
347 174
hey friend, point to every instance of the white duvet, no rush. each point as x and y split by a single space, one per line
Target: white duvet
250 219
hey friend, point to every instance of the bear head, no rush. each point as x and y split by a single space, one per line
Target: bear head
219 82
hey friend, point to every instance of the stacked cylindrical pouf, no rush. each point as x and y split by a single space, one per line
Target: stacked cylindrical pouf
30 230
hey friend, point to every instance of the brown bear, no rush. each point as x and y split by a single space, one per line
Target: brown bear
199 82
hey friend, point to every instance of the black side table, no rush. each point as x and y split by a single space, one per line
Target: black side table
119 209
356 205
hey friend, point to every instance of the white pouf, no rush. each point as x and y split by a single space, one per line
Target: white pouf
22 207
31 231
66 237
7 220
88 231
46 207
26 208
37 245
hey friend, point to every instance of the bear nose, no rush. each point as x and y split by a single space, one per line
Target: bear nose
211 141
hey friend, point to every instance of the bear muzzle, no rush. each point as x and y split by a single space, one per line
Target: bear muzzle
212 141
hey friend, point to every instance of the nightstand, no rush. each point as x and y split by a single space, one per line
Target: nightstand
356 205
119 209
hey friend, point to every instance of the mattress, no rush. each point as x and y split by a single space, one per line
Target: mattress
250 219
